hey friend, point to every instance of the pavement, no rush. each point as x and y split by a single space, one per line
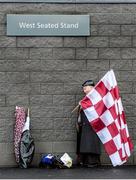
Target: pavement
101 172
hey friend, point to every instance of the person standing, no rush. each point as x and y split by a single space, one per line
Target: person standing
88 143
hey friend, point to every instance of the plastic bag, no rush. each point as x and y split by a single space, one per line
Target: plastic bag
51 161
48 159
67 160
27 149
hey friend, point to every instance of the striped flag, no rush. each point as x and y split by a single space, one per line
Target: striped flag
104 111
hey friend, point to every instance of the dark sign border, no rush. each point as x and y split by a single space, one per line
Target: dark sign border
69 1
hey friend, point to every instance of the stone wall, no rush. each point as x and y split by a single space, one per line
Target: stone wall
46 73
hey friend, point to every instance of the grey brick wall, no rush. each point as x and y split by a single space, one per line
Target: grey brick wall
45 73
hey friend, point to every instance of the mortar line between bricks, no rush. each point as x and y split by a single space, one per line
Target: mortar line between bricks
120 53
114 47
75 54
63 42
109 39
109 24
116 36
28 53
86 61
132 41
98 56
73 71
123 13
16 41
86 41
109 64
133 87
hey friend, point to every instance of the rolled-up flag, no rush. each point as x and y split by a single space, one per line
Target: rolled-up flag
24 143
27 146
20 117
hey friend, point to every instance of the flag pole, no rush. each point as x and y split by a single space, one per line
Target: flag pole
28 112
73 111
75 108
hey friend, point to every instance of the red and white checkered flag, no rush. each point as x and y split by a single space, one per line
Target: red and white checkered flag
104 111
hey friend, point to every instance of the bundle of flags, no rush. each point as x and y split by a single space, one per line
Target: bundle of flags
105 113
23 142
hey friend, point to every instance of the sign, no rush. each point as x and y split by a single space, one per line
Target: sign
70 1
48 25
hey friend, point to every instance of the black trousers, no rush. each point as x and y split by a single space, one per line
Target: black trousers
89 158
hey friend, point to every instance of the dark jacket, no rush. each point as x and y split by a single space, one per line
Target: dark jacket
87 139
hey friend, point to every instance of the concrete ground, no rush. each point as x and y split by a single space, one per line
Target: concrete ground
103 172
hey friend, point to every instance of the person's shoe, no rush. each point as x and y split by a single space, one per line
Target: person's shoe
90 165
81 164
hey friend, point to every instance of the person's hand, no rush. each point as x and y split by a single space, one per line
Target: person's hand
79 103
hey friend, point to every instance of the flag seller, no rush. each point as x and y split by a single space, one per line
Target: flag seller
88 143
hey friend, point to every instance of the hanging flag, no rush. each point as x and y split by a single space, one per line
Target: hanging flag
104 111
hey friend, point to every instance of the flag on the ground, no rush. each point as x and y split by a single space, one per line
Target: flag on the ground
104 110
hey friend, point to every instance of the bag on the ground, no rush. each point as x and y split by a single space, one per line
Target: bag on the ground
67 160
27 148
51 161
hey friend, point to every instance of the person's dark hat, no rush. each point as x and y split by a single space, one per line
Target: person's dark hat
88 83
